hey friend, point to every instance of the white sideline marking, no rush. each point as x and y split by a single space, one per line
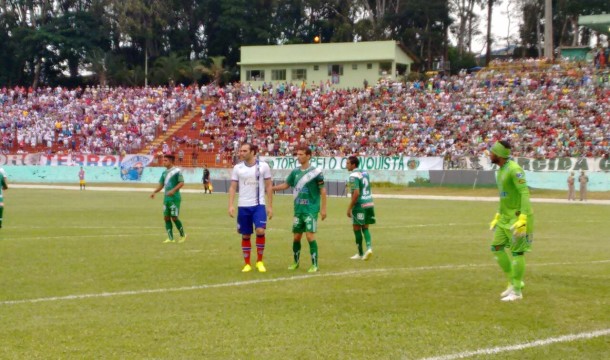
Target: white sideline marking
380 196
274 280
535 343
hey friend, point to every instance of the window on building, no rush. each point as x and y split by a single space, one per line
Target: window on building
255 75
299 74
369 66
385 68
279 75
354 66
316 67
335 70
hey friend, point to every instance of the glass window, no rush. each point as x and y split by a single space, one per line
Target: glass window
335 70
255 75
278 74
299 74
316 67
354 66
369 66
385 68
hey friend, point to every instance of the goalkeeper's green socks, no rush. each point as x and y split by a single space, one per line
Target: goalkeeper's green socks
367 238
168 228
296 251
358 234
179 227
504 262
518 272
313 250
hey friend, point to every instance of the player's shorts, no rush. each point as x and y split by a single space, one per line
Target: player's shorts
171 208
503 236
82 182
363 216
250 218
305 223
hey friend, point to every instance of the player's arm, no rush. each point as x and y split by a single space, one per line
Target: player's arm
269 192
175 189
157 189
323 202
520 226
232 191
355 196
279 187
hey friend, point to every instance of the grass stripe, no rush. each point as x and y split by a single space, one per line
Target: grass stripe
274 280
531 344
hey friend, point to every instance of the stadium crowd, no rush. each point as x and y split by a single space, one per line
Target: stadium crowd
98 120
547 110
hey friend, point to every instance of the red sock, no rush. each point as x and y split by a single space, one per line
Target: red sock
246 247
260 247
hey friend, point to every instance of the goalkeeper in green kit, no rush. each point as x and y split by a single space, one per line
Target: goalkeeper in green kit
513 224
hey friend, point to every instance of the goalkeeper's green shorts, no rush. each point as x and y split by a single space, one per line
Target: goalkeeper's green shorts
503 236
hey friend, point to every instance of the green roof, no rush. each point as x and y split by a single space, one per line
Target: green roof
599 23
324 52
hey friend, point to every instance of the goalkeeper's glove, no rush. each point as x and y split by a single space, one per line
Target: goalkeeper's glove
519 228
492 224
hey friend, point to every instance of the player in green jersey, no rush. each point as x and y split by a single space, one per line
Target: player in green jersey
361 208
513 224
309 196
3 186
172 181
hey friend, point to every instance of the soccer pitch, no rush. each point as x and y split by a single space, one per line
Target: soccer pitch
85 275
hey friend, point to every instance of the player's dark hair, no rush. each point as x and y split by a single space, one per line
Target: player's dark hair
505 143
252 147
305 149
170 157
354 160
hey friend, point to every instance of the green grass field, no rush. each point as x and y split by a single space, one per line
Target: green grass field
84 275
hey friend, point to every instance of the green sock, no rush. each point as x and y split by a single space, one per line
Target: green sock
367 238
358 234
518 272
296 251
504 262
313 250
168 228
179 226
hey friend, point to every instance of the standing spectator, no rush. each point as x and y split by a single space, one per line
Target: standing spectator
571 192
309 199
513 224
254 179
81 178
180 156
207 186
3 186
361 208
172 180
583 180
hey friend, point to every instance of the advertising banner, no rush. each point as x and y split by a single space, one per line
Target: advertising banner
392 163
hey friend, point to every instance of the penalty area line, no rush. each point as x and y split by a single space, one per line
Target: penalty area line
517 347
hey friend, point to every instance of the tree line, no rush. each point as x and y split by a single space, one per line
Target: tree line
137 42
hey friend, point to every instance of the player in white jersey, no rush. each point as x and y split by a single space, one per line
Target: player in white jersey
254 180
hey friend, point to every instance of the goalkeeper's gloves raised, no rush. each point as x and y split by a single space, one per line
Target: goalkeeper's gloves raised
519 228
492 224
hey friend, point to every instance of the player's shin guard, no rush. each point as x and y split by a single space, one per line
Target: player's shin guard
260 247
296 251
313 250
358 234
168 228
179 226
504 261
246 248
518 272
367 238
